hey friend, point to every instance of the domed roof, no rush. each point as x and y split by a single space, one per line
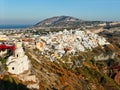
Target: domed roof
19 52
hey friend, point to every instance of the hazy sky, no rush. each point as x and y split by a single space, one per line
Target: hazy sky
32 11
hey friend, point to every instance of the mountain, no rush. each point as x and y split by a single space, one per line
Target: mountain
64 22
58 21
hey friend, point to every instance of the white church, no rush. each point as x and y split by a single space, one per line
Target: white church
18 63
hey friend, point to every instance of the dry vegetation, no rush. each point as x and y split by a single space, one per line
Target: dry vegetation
91 76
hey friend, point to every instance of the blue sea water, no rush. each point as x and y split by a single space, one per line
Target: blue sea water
14 26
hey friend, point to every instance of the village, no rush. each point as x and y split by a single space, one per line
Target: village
55 46
59 43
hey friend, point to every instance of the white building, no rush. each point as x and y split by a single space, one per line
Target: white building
18 63
3 38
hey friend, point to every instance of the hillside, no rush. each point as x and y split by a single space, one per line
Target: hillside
65 60
64 22
57 21
77 74
91 67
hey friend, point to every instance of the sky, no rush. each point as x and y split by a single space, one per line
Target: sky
33 11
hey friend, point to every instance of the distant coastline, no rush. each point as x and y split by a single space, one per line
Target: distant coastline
15 26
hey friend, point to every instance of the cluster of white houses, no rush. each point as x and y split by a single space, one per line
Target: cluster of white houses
57 42
69 41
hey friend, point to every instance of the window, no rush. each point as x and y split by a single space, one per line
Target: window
12 68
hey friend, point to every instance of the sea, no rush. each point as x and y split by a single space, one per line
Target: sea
15 26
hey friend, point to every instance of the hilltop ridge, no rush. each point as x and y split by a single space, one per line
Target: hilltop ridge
65 22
